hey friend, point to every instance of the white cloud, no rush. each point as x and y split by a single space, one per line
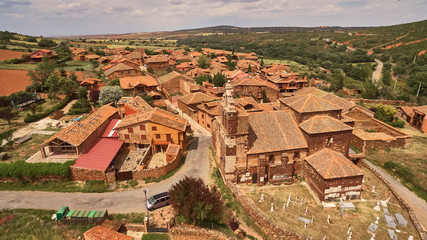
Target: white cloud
328 10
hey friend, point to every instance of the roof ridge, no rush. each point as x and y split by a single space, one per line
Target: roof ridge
328 169
281 130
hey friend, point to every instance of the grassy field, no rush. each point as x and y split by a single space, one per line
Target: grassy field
29 224
337 229
408 165
22 66
56 186
296 67
27 149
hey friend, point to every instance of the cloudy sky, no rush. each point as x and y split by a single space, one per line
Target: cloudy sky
74 17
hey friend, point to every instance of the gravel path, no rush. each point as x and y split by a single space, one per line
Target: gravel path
376 75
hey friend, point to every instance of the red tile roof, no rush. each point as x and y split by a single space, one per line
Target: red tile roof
253 81
196 98
77 132
274 131
132 82
109 131
155 115
309 103
90 81
331 164
323 124
100 154
102 233
421 109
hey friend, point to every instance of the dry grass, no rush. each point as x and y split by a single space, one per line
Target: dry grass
359 219
27 149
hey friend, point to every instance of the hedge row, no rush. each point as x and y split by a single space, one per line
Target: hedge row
35 117
21 169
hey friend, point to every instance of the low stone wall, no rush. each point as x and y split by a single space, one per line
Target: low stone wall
200 233
412 215
386 102
156 172
135 227
269 228
83 174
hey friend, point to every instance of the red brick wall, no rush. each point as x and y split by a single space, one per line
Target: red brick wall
362 145
339 141
156 172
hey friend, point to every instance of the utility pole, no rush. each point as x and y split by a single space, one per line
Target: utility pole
419 88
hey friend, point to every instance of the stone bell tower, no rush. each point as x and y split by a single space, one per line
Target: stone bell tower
229 122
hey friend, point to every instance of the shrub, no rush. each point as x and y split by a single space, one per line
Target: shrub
21 169
35 117
397 123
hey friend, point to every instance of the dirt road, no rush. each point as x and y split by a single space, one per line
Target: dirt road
376 75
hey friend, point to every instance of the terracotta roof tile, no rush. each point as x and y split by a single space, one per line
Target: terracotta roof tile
422 109
339 101
331 164
102 233
156 115
309 103
90 81
407 110
323 124
372 136
137 104
310 90
119 67
77 132
253 81
248 104
196 98
157 59
166 78
274 131
211 108
132 82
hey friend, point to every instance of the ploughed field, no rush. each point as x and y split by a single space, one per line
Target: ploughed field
13 81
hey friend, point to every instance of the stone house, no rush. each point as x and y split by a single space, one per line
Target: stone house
405 113
332 176
122 70
287 81
419 119
188 103
206 113
253 86
244 65
138 84
274 69
131 105
92 83
155 127
157 62
176 83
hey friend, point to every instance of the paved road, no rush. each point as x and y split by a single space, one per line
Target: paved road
196 165
376 75
418 205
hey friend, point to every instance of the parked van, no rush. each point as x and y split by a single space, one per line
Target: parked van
157 201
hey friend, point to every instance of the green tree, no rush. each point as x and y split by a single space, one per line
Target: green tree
385 113
262 62
53 85
264 97
110 94
42 71
204 62
7 114
219 79
30 39
202 78
192 198
249 68
150 70
82 93
386 77
415 80
369 90
67 85
338 80
46 43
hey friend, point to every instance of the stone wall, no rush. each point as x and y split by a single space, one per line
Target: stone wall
412 215
83 174
156 172
192 231
386 102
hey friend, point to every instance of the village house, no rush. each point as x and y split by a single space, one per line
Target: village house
254 86
155 127
185 66
188 103
92 84
332 176
80 135
206 112
235 74
89 57
136 56
405 113
196 72
122 70
274 69
138 84
288 81
244 65
247 56
124 61
38 55
210 89
131 105
157 62
175 83
264 144
419 119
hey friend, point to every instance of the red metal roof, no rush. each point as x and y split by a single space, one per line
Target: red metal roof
109 132
100 154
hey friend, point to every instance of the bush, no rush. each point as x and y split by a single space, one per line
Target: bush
35 117
21 169
397 123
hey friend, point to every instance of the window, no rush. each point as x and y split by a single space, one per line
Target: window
271 158
143 137
296 155
142 127
127 136
154 128
157 136
209 126
130 130
168 137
